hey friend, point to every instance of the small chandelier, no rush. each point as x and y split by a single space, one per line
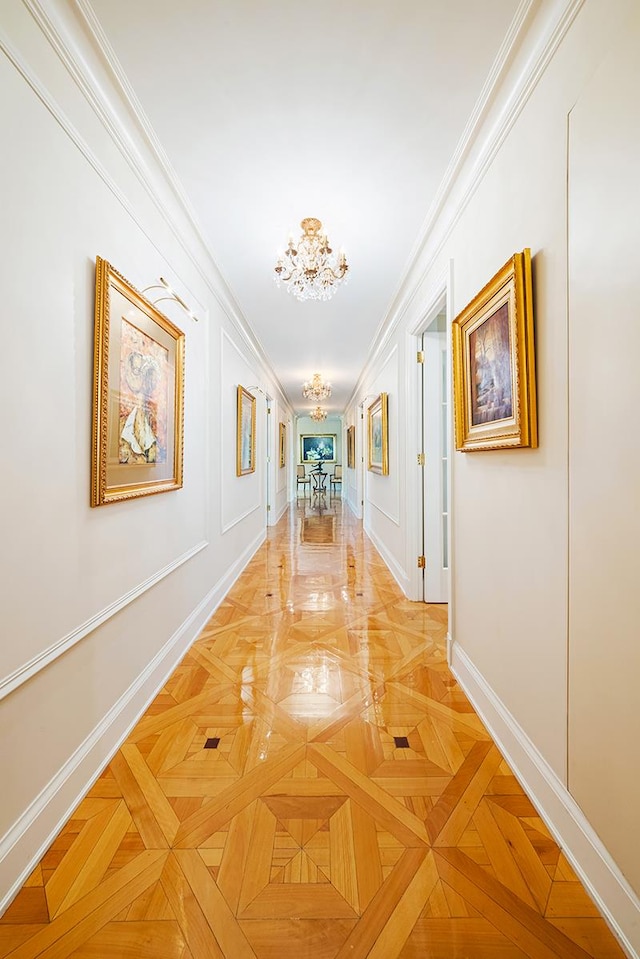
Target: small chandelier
316 389
318 414
310 271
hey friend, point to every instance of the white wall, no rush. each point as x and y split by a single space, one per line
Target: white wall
98 604
511 552
604 455
282 483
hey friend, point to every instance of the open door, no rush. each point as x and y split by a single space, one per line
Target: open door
435 474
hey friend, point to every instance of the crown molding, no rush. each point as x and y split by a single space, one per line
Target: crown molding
464 173
76 37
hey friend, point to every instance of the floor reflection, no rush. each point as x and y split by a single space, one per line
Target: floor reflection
310 783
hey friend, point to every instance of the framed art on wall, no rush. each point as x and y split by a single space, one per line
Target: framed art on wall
282 443
351 447
494 383
318 448
138 394
246 433
378 430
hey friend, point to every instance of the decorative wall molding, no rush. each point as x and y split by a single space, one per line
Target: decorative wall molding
26 841
588 856
238 519
109 113
446 210
29 669
392 519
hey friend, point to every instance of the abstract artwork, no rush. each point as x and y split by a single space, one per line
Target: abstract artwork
138 394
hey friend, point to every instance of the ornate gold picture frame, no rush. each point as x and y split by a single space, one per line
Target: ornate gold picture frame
351 447
246 433
318 447
494 382
138 394
378 431
282 443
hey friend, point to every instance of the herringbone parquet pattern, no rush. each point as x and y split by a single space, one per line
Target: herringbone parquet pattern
311 782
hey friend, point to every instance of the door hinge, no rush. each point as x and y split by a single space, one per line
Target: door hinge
420 356
422 563
421 459
268 508
268 411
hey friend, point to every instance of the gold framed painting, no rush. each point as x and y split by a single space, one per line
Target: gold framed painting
138 394
318 447
246 433
378 430
494 384
351 447
282 443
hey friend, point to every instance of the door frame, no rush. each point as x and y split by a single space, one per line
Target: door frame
438 294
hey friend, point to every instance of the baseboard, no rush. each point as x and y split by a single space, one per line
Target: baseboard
27 840
394 568
602 878
283 509
357 512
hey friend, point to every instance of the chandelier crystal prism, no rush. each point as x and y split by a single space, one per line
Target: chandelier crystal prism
315 389
318 414
310 270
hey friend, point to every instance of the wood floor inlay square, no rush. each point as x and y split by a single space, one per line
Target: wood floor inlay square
310 783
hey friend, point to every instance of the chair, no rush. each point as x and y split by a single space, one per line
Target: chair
335 478
302 480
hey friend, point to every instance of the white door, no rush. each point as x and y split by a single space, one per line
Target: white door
435 492
269 446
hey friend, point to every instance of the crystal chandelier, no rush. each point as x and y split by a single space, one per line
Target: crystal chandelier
318 414
310 271
316 389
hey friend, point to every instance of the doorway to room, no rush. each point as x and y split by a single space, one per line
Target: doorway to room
434 425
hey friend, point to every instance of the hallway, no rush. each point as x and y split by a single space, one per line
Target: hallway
310 782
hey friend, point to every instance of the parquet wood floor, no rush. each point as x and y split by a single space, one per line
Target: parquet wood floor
311 782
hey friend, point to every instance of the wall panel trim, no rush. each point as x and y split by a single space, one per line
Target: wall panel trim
466 171
20 675
27 840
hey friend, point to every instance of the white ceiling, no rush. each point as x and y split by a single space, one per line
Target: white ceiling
270 112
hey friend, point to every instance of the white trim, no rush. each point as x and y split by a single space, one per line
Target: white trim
580 843
439 293
238 519
26 841
430 243
394 567
283 510
20 675
449 642
353 503
59 32
392 519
